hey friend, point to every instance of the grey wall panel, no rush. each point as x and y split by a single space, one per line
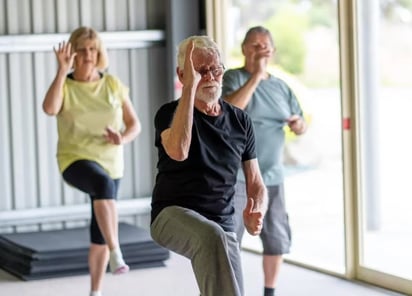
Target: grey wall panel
67 15
137 15
29 176
116 15
92 13
3 15
49 189
23 147
159 94
19 19
6 193
43 16
142 99
156 13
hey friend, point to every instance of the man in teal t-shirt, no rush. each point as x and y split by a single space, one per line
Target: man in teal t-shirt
271 104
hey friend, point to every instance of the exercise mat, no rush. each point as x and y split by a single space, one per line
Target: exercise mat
56 253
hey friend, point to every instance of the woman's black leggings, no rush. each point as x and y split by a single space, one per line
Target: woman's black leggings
89 177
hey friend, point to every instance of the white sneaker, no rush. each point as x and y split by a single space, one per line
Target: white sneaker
116 262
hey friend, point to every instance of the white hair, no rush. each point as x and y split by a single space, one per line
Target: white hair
201 42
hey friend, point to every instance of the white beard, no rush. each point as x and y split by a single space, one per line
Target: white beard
209 97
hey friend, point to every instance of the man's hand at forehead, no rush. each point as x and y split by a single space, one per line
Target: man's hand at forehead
190 76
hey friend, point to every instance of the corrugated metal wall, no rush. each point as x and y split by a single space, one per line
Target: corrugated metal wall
29 177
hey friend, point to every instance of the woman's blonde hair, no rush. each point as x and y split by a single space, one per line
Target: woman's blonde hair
80 35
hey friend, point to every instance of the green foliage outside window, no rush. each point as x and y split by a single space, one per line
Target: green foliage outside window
288 28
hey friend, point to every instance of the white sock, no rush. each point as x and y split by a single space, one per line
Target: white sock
95 293
116 259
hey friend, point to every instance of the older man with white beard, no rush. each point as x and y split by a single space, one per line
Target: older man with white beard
202 141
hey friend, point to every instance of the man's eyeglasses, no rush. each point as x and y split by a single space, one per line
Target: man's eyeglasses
216 72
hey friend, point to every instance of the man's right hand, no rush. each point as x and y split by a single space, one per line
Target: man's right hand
253 219
190 76
261 59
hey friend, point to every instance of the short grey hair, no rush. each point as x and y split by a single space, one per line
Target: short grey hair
258 30
201 42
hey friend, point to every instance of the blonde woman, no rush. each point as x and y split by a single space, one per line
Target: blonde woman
95 119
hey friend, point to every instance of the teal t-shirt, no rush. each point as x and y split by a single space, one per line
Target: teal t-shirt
271 105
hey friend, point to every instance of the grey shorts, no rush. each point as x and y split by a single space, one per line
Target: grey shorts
276 234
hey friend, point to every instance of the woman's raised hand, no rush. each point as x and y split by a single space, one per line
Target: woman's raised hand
65 57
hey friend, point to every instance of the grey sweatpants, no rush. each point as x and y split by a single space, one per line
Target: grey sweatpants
214 253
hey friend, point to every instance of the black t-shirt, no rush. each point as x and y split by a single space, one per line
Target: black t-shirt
204 182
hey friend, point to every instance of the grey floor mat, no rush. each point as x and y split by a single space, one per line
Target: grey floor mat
37 255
